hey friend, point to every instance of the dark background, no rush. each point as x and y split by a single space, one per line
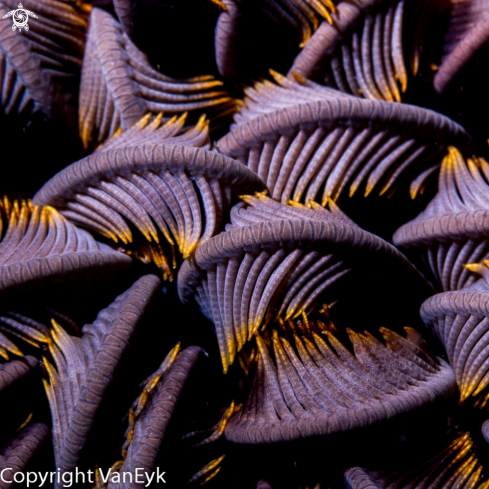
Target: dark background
178 36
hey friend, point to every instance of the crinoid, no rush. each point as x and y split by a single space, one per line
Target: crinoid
455 466
14 370
147 445
234 29
154 410
119 86
452 231
21 340
307 383
170 193
461 321
40 67
38 246
467 35
227 38
154 130
277 261
365 49
16 453
125 11
23 334
171 402
84 367
308 142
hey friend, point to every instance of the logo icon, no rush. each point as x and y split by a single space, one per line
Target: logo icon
20 17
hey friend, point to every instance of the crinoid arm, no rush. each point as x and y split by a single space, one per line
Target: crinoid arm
310 384
16 453
235 26
309 142
84 367
38 246
119 86
147 435
277 261
42 66
461 321
156 130
456 465
14 370
369 49
465 39
452 231
162 195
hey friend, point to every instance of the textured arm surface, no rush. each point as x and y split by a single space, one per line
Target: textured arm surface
468 33
85 367
455 466
365 49
119 86
183 190
151 426
38 62
461 321
15 455
308 142
14 370
38 245
453 230
315 386
276 261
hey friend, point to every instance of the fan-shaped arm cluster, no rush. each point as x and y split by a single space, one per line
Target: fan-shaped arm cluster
365 49
311 143
453 229
153 130
38 232
84 368
119 86
178 191
265 96
461 321
273 261
260 208
455 466
304 16
315 386
46 56
38 244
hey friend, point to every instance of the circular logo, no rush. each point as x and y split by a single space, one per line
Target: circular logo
20 18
